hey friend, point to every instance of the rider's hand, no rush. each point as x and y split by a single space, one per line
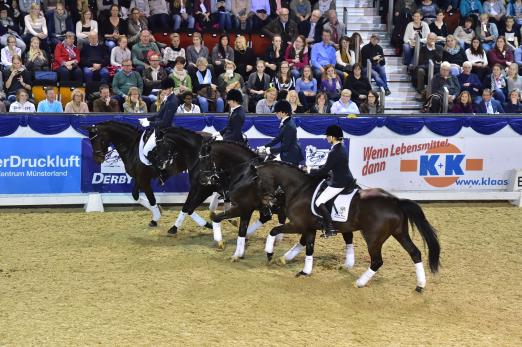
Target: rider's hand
144 122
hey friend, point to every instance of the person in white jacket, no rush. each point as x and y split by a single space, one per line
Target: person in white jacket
84 26
345 105
416 27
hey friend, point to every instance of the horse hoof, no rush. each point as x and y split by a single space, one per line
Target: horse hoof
221 245
419 289
302 274
269 256
208 225
281 261
172 231
235 259
153 224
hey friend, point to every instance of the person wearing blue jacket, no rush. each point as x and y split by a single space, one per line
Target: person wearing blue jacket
468 7
233 131
323 53
470 82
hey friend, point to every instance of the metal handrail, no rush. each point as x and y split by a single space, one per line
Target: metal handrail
369 70
445 100
390 16
357 48
417 50
431 72
382 97
345 20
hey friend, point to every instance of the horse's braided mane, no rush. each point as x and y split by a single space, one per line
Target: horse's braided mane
237 144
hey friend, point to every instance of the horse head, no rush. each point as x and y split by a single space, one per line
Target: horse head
99 143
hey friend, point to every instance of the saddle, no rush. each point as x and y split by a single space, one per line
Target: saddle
339 206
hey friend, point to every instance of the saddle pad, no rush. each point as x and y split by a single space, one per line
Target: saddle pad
143 152
340 209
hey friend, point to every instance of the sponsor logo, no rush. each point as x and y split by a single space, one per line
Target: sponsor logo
112 171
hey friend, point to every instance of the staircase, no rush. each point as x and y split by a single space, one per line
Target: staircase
363 17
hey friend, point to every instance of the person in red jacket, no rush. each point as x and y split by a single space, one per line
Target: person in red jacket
67 59
500 53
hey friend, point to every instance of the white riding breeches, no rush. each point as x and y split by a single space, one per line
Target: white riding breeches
327 194
151 143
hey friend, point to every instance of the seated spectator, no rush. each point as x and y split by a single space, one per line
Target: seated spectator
488 104
283 26
439 28
515 10
432 52
344 56
157 104
195 51
322 104
206 90
478 58
518 56
202 15
133 103
486 32
242 11
222 11
182 80
464 34
182 15
152 77
8 27
274 55
283 81
67 59
261 14
266 105
429 10
36 25
112 27
324 6
300 10
60 22
296 55
187 106
105 103
463 104
22 103
77 103
416 27
95 59
229 80
49 104
8 52
373 52
353 42
501 53
159 16
124 80
358 84
335 27
344 105
372 104
499 83
142 6
293 99
306 87
514 80
323 54
331 84
439 82
470 8
496 11
103 8
510 32
244 57
141 50
469 82
119 53
454 54
171 53
257 83
136 23
312 29
84 27
513 104
16 77
221 54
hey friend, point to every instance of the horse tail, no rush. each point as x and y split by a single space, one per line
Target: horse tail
416 216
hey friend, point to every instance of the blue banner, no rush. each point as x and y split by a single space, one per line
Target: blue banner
40 165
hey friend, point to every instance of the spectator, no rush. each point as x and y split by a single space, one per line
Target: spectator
358 84
136 23
206 90
16 77
157 104
77 103
152 77
487 32
498 83
518 56
120 53
416 27
470 7
35 58
222 10
372 104
95 59
229 80
429 10
283 26
324 6
478 58
104 103
36 25
133 103
274 55
335 27
142 6
195 51
59 23
488 104
323 54
510 32
331 83
266 105
322 104
159 16
67 59
515 10
241 9
244 57
501 53
439 82
428 52
469 82
202 15
283 81
182 80
514 80
112 27
182 15
344 105
22 103
312 28
7 53
463 104
300 10
261 13
293 99
439 28
296 55
344 56
221 54
49 104
496 11
141 50
124 80
257 83
464 34
170 54
453 54
373 52
8 27
306 87
187 106
513 105
84 27
104 8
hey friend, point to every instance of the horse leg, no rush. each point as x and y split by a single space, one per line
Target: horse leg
156 214
349 260
196 199
406 243
281 217
309 259
241 238
213 205
293 252
264 216
374 248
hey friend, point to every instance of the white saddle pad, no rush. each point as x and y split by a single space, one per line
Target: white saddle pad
145 148
341 206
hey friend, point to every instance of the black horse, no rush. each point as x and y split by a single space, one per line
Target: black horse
375 212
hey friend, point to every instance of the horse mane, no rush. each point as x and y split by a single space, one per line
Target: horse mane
126 125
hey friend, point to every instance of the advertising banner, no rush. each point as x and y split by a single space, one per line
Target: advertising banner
40 165
413 164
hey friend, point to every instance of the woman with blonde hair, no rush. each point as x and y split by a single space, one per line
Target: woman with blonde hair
134 103
22 103
244 57
77 103
293 98
36 59
84 26
36 25
266 105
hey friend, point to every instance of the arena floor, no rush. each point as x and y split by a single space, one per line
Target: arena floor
71 278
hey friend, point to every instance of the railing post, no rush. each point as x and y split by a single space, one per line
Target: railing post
445 100
369 70
382 96
357 48
417 50
390 16
431 71
345 19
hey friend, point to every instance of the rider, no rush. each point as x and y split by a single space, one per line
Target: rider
236 119
341 177
290 151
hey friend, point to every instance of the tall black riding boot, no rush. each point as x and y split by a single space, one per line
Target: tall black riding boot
327 221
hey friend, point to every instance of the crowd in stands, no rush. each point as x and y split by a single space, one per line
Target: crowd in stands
111 55
475 47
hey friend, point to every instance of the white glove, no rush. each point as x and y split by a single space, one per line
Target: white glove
144 122
217 137
267 150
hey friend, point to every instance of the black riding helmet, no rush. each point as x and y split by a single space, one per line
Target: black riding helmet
167 83
235 95
284 107
335 131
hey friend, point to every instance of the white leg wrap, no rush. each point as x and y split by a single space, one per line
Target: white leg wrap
252 228
197 218
180 219
216 228
240 247
294 251
349 260
421 275
269 246
156 214
309 262
214 202
365 278
144 202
